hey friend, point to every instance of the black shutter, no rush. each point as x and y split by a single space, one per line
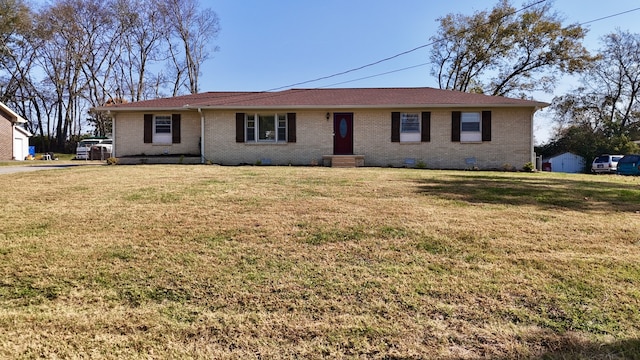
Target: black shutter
239 127
175 128
395 127
148 128
425 136
291 127
486 126
455 126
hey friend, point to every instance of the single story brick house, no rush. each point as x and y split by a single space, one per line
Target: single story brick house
345 126
14 139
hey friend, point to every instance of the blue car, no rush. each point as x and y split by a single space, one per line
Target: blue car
629 165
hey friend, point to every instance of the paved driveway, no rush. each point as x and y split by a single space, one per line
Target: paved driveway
26 168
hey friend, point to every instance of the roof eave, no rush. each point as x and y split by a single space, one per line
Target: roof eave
23 131
15 117
109 109
535 105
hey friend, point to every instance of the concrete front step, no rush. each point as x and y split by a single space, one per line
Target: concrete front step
343 161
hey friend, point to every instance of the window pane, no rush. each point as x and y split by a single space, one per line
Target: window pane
409 123
470 126
470 122
266 127
251 128
470 117
282 128
163 124
162 129
251 133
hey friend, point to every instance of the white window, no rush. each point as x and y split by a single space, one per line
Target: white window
409 127
266 127
470 127
162 129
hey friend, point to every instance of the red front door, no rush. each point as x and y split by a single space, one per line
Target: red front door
343 134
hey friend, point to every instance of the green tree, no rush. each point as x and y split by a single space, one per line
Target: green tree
582 140
606 107
505 51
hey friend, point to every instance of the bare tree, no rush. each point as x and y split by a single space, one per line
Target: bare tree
60 60
103 36
193 29
16 52
62 54
140 48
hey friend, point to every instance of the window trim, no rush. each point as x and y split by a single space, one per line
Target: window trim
484 130
167 138
252 134
424 127
413 135
164 137
471 136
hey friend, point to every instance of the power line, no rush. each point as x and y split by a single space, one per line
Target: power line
269 93
610 16
418 48
376 75
394 56
354 69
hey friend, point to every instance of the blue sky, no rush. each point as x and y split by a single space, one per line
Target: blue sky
266 45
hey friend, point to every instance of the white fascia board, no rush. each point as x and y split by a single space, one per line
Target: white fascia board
17 118
23 131
316 107
389 106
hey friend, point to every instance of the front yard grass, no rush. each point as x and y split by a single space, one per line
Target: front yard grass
308 262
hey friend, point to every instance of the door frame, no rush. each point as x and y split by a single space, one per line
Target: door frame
347 147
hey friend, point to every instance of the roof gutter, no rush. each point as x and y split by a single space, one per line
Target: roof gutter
199 108
114 144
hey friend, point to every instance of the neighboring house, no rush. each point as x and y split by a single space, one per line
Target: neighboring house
368 126
14 139
565 162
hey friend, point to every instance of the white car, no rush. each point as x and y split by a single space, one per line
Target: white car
605 164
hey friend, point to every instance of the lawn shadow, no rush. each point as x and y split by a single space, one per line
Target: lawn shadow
528 189
624 349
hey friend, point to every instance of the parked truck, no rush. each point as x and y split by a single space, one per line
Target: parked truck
102 148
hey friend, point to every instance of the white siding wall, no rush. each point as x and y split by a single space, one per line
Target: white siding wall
567 163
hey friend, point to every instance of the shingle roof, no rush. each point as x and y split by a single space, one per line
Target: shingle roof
324 98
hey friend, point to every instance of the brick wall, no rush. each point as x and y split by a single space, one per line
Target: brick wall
313 139
511 141
6 139
129 135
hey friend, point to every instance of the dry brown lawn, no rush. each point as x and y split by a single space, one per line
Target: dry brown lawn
306 262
